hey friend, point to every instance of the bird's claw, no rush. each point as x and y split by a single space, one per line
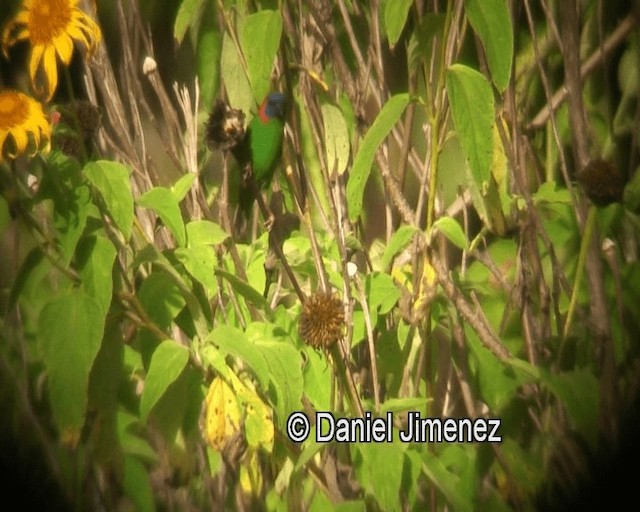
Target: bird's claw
269 222
246 175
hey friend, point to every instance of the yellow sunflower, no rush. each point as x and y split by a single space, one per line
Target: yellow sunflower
51 26
21 119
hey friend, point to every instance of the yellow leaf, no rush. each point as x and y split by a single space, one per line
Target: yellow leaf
223 413
402 276
258 417
250 475
427 287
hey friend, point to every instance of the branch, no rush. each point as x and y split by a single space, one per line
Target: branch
589 65
487 337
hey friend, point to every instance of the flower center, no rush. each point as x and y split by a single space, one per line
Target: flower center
48 19
14 109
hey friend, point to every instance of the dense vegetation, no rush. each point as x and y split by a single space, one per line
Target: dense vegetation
453 231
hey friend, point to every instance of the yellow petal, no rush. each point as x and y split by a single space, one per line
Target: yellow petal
64 47
21 139
22 18
20 36
6 37
9 40
34 61
76 33
23 121
50 70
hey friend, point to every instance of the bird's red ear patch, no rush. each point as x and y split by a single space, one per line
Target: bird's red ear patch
262 111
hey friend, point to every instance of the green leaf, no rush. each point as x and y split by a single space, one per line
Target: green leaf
527 469
127 425
112 181
106 372
446 481
395 17
399 240
472 110
309 450
136 485
200 262
70 219
628 73
167 363
70 331
104 380
209 55
27 284
168 413
490 19
189 13
359 327
336 139
309 155
525 369
317 380
244 289
215 358
151 254
194 393
383 486
579 391
403 404
205 232
382 292
363 161
162 201
182 186
498 383
427 33
235 78
549 192
450 228
285 373
256 415
161 298
260 39
348 506
460 459
95 256
233 341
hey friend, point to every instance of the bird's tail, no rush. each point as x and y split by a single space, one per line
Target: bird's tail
245 208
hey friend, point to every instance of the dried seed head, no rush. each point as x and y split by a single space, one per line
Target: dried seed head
69 144
322 320
225 127
602 182
76 123
89 117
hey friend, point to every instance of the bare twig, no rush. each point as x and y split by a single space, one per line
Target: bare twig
591 64
487 337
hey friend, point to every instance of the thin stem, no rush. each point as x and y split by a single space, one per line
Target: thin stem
372 347
277 243
582 258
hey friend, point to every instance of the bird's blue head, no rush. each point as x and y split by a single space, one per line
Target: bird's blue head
272 106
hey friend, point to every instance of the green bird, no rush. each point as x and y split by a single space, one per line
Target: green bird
261 147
